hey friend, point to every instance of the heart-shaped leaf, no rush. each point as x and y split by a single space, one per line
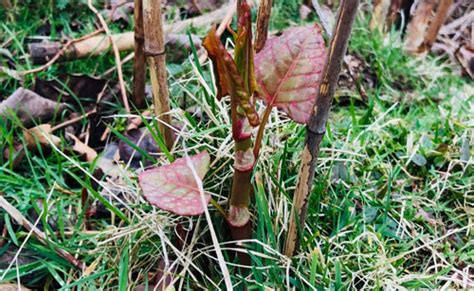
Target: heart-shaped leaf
173 187
288 70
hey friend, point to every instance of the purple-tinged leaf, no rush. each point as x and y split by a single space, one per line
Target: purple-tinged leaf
288 71
173 187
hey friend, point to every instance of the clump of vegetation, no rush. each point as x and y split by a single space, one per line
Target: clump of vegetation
391 204
285 74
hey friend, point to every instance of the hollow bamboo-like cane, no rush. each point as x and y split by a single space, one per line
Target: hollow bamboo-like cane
316 127
156 54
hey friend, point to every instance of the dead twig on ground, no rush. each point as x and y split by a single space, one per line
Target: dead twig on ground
59 53
99 44
73 120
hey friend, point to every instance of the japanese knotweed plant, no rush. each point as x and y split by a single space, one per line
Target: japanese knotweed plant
285 74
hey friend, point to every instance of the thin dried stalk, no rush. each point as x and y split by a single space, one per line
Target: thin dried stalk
438 21
116 54
226 21
139 64
263 20
155 50
316 127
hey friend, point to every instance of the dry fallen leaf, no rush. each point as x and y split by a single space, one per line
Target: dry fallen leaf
40 134
29 107
83 149
143 139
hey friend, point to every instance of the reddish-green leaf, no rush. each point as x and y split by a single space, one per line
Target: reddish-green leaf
229 81
174 188
288 70
243 54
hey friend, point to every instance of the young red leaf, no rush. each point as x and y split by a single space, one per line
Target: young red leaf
243 54
173 187
288 70
228 79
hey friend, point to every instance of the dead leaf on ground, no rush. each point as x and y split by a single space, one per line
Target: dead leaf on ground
84 93
41 134
108 162
9 73
83 149
455 38
355 79
119 11
29 107
75 90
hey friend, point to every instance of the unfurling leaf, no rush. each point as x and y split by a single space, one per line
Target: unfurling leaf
244 58
288 71
228 79
173 187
